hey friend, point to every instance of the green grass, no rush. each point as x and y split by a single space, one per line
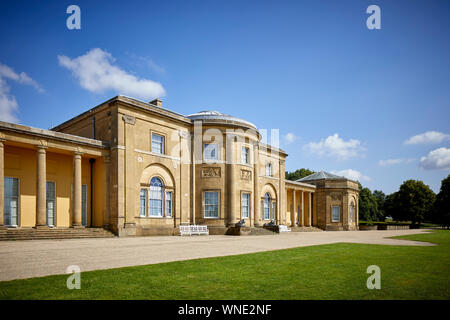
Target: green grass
336 271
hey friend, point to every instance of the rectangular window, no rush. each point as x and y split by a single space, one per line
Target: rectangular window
157 143
51 202
273 210
335 214
269 169
245 206
11 198
210 151
143 200
245 155
266 210
169 204
156 201
211 204
262 210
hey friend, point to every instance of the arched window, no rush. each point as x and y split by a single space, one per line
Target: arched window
352 211
267 206
156 197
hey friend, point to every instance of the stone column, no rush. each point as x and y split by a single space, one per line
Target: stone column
41 187
302 222
2 186
294 204
256 207
76 213
106 217
309 210
232 177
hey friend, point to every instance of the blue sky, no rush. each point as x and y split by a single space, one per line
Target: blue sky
343 97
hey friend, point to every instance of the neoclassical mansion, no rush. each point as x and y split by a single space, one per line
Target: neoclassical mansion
136 168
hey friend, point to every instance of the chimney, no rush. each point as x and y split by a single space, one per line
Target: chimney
156 102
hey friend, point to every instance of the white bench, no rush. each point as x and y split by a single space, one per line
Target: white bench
193 229
282 228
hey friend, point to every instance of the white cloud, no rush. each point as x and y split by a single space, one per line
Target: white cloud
429 137
290 138
334 146
8 103
352 175
438 159
97 73
391 162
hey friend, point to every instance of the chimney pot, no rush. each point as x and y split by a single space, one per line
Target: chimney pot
156 102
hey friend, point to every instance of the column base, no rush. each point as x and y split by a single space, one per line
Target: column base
78 227
44 226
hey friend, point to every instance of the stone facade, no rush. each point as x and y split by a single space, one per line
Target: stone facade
109 162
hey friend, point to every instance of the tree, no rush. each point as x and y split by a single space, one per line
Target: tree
441 210
368 209
414 201
381 200
298 174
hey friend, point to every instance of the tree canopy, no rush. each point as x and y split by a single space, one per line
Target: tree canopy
441 210
412 202
298 174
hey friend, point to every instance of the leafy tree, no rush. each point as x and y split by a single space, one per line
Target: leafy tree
298 174
441 210
391 205
381 200
368 208
413 201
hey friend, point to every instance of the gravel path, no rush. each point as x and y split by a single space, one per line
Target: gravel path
36 258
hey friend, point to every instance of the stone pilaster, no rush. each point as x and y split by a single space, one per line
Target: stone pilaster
107 215
309 210
2 184
41 187
76 213
294 205
257 200
302 218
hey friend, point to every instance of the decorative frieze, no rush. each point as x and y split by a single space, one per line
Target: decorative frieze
211 172
246 175
336 197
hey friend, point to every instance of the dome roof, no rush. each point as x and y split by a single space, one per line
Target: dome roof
216 115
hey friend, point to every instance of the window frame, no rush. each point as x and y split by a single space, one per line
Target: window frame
269 168
248 194
164 190
161 191
17 202
245 155
163 142
267 201
54 204
339 214
204 204
205 144
171 203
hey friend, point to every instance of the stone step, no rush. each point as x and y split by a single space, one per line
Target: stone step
53 233
305 229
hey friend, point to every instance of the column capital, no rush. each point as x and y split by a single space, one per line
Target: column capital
78 153
41 148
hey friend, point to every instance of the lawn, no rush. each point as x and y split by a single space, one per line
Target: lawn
336 271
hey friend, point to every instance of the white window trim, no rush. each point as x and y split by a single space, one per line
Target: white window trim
162 143
18 202
339 211
248 205
218 204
